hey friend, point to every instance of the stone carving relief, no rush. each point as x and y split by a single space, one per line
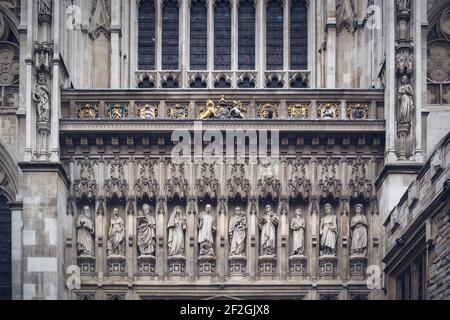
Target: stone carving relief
329 185
177 184
118 111
85 186
88 111
147 111
298 111
116 185
358 111
207 184
328 111
146 232
238 232
45 11
238 185
268 225
328 232
222 110
146 185
206 230
177 111
116 235
299 187
268 111
9 61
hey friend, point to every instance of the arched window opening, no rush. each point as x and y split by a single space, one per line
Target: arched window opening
146 35
274 35
222 35
170 35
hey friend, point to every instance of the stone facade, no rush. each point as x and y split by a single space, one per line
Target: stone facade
100 208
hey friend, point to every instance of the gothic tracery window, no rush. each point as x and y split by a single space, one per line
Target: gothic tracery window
438 73
146 35
9 63
246 35
170 35
222 35
274 35
199 35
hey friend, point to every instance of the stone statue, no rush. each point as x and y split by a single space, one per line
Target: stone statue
359 226
298 235
237 110
405 102
116 240
41 96
85 233
238 233
328 232
176 227
146 232
206 230
268 226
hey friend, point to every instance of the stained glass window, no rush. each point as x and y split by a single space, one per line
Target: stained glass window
170 35
146 35
222 35
246 35
199 35
274 35
299 35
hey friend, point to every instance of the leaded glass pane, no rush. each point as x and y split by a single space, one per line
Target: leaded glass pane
146 35
199 35
222 35
274 35
246 35
170 35
299 35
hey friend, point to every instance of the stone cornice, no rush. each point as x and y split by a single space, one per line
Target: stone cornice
139 126
242 94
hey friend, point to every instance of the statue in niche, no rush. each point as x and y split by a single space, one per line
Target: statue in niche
268 226
405 101
238 233
41 96
298 226
146 232
116 240
176 227
206 230
328 232
358 226
85 233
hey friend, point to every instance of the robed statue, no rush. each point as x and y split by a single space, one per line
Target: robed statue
238 233
176 227
146 232
298 234
268 226
328 232
358 226
206 230
116 240
85 233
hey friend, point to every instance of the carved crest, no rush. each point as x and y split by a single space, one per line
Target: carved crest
88 111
